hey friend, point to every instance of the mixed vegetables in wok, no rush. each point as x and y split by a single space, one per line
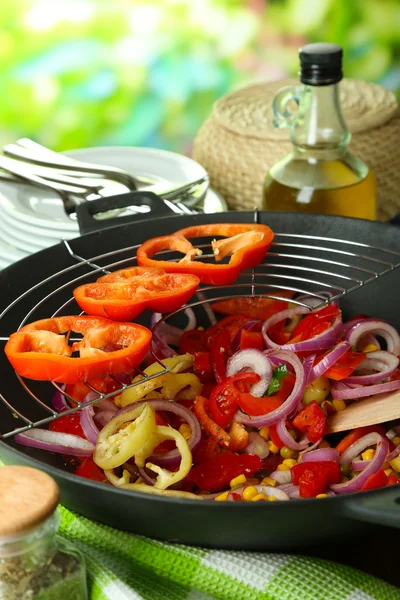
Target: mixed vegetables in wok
238 411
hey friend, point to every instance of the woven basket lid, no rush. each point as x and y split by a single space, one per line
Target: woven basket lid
248 111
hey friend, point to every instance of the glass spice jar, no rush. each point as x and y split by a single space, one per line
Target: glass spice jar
34 563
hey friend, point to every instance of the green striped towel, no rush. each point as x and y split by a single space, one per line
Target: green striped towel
123 566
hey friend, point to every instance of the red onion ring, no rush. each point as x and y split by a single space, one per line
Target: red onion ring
88 425
375 327
293 491
276 492
308 365
55 441
383 362
59 401
257 445
145 476
282 476
328 361
291 402
320 342
321 454
103 404
287 439
173 457
342 391
382 447
102 417
359 465
253 360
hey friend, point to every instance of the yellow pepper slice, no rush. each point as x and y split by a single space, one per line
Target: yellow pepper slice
118 442
167 478
150 489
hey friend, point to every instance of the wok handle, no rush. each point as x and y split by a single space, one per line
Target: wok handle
380 507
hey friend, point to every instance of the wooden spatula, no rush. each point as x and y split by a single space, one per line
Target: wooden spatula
377 409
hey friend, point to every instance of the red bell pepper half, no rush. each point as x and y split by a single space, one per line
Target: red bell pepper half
312 421
313 478
245 243
125 294
214 474
41 351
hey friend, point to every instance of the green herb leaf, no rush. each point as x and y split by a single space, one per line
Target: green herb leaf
278 374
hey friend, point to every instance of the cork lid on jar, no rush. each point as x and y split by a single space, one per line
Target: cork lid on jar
27 498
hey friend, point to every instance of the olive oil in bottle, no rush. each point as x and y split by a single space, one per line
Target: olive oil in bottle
320 175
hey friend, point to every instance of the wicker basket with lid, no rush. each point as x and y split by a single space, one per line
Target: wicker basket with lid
238 144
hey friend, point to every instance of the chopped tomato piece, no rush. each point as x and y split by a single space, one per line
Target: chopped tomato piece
224 400
344 366
377 480
232 323
275 439
312 421
202 366
89 470
193 341
251 339
68 424
214 474
314 477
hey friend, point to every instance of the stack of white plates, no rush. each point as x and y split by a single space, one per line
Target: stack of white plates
32 219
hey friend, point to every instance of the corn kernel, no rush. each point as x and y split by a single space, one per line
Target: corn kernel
339 405
287 452
395 463
396 440
269 481
282 467
259 497
185 430
271 498
264 432
290 462
370 348
250 492
388 472
324 444
368 454
200 328
321 496
221 497
272 448
236 481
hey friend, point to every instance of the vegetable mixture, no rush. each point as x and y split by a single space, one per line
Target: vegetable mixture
242 413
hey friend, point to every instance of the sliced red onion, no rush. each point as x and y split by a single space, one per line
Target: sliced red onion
103 404
320 342
321 454
342 391
293 491
382 447
368 339
145 476
313 301
257 445
291 402
328 361
308 363
313 447
375 327
382 362
207 307
282 476
255 361
359 465
59 401
102 417
276 492
287 439
88 425
192 322
250 325
173 457
55 441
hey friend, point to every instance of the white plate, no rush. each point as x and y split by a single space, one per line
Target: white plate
43 209
38 237
9 254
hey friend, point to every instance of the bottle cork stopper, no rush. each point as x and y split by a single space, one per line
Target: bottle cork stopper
27 498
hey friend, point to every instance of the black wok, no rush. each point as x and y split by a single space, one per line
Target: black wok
279 526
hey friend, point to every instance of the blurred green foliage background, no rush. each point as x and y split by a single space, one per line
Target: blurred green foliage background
80 73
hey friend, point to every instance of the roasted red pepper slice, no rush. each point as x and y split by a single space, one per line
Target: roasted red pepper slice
223 402
219 353
245 243
392 479
254 308
122 296
89 470
193 341
232 323
68 424
314 477
40 350
377 480
251 339
261 406
201 408
315 324
202 366
345 365
312 421
214 474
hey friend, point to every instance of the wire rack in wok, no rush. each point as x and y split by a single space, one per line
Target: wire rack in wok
322 268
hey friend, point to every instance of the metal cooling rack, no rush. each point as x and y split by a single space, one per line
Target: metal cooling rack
321 267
